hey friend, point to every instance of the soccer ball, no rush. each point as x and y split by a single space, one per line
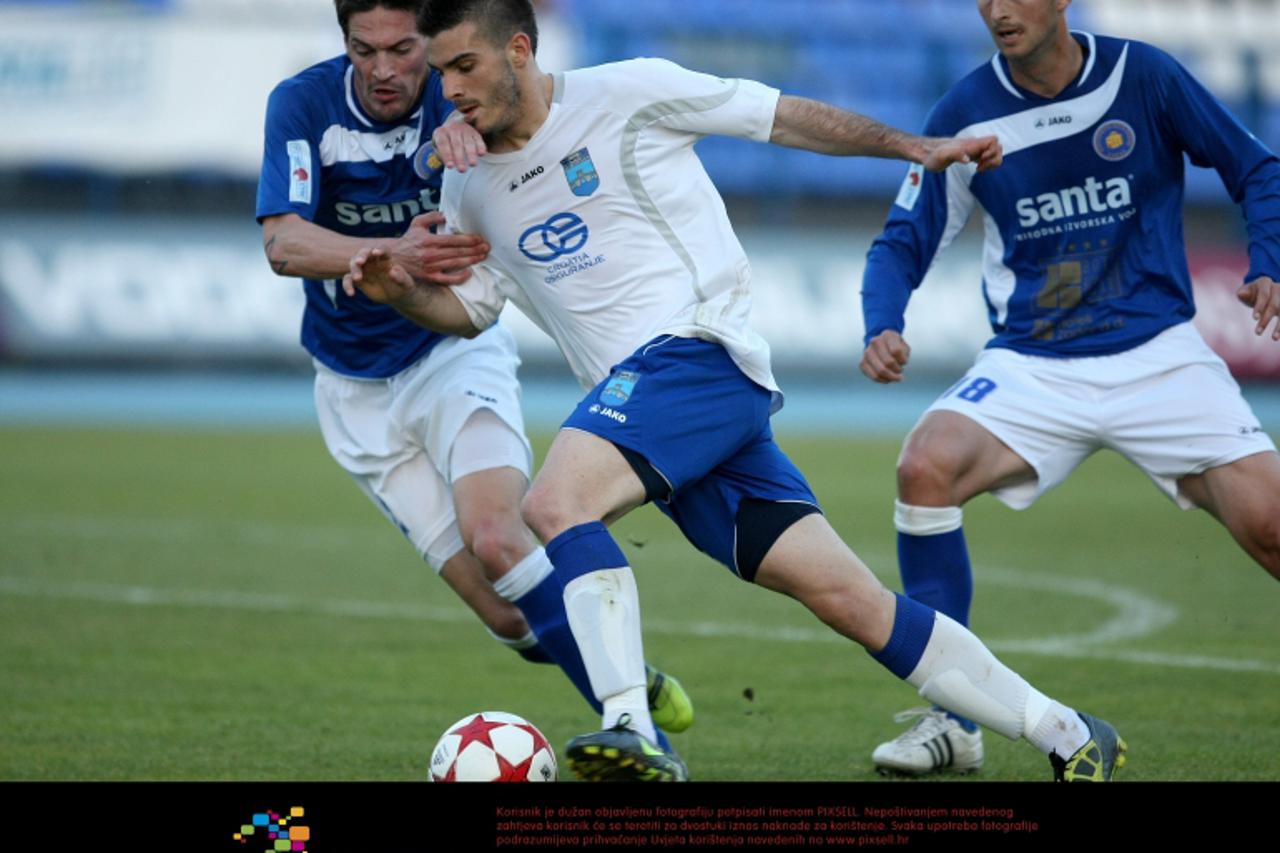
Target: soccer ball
493 746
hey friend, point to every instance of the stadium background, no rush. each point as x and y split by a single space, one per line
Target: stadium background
134 296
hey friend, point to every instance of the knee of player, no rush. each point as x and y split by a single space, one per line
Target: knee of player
499 542
545 512
926 474
1265 532
847 612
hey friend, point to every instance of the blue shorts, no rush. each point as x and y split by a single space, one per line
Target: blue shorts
690 412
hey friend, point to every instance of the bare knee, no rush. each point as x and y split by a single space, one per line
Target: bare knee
811 564
842 611
927 474
499 542
549 513
1262 539
949 458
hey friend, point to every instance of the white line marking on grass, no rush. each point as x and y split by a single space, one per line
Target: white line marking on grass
186 530
145 596
1136 615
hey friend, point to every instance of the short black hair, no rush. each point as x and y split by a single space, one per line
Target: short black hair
498 20
347 8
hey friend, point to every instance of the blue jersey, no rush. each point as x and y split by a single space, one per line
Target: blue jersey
1084 251
333 165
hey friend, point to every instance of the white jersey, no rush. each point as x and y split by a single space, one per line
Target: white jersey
606 230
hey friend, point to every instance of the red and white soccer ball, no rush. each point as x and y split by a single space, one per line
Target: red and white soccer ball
493 746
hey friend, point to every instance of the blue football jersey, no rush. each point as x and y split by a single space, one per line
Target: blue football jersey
333 165
1084 251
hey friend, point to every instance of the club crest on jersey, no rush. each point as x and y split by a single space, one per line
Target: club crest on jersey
581 172
619 388
426 162
1114 140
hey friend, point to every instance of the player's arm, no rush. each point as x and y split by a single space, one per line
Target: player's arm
1212 136
376 273
289 198
815 126
458 145
930 209
296 247
703 104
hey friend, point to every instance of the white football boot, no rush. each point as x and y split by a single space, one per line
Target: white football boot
935 744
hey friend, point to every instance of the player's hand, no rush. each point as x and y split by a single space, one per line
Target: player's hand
1263 296
374 273
986 151
885 357
458 144
437 258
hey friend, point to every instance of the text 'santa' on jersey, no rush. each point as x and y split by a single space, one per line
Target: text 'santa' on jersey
1084 251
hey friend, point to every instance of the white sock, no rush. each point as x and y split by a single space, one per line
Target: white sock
960 674
524 575
604 613
1053 727
926 520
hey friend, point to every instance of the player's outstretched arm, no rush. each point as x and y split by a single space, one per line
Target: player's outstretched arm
296 247
815 126
375 272
885 357
1263 296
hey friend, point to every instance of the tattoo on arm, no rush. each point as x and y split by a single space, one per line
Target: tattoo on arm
278 265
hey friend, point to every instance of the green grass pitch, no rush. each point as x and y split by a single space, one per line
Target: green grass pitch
182 605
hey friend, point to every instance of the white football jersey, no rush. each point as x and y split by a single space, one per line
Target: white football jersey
605 229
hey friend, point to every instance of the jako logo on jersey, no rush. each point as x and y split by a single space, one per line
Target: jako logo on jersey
562 234
1093 197
1053 121
399 212
526 178
605 411
1114 140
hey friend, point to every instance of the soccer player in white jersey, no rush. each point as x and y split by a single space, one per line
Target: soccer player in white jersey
607 232
1090 301
429 426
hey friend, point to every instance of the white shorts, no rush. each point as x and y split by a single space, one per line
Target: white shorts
395 436
1170 406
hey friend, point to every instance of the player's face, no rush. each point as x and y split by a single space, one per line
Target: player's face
1022 28
390 60
478 78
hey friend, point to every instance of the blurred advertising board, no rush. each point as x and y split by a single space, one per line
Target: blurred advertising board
164 289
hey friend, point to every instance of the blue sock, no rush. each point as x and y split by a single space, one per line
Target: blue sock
543 608
912 628
936 571
584 549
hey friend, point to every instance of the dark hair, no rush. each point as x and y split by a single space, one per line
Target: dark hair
347 8
498 20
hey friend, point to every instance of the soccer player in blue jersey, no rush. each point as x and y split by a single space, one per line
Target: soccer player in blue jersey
620 248
429 426
1089 296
